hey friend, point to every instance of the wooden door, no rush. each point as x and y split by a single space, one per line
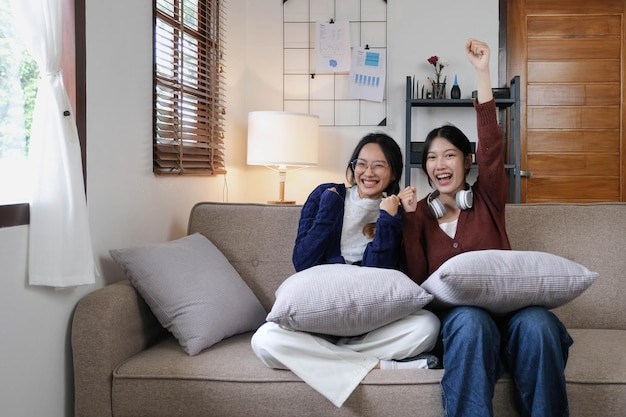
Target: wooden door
569 56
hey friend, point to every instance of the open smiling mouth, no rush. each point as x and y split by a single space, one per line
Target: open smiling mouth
443 178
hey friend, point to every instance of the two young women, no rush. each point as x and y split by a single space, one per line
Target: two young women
476 347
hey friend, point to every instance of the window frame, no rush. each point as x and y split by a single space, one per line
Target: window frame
189 109
73 65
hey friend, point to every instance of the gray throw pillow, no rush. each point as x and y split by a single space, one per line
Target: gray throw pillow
193 290
345 300
502 281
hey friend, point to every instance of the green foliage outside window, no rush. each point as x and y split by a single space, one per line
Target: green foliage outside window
19 77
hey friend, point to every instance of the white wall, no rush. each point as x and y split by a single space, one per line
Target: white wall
128 205
413 36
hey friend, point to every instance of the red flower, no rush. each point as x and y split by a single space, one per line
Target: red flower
436 62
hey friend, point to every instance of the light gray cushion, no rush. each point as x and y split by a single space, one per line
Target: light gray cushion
345 300
502 281
193 290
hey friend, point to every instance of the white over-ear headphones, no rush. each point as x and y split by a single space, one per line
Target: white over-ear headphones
464 200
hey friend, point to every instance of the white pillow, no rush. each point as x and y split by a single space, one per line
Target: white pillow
345 300
502 281
193 290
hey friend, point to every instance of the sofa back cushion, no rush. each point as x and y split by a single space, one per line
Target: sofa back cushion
258 240
593 235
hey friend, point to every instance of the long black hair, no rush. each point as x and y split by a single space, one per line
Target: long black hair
454 135
392 153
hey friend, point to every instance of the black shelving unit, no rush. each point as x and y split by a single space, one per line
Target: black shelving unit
512 137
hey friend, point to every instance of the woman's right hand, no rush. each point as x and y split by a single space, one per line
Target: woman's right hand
408 198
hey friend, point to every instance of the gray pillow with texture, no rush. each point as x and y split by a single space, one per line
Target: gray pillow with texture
502 281
193 290
345 300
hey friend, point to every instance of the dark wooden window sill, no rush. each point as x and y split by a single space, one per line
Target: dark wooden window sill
14 215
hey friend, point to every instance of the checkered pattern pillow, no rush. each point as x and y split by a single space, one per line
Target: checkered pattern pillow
345 300
502 281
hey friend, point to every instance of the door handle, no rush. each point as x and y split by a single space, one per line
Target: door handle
525 173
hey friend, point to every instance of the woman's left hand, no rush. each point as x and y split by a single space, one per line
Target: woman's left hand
390 204
478 53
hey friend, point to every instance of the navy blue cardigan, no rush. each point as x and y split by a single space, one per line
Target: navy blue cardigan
319 232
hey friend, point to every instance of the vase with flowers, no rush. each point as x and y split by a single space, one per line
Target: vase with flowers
439 87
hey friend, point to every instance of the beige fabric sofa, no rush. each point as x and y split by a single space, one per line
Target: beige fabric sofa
125 364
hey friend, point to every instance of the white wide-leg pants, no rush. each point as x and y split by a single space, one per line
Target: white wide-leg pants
336 369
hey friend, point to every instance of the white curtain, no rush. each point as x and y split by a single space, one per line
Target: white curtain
60 251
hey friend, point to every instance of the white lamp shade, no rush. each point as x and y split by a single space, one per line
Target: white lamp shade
282 138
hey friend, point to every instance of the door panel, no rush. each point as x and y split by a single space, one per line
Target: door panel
550 49
585 141
580 25
575 7
568 54
574 94
574 71
574 164
561 117
573 189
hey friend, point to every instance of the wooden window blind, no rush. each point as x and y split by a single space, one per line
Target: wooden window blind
188 87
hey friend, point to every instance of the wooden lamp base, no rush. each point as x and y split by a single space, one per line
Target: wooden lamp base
281 202
282 174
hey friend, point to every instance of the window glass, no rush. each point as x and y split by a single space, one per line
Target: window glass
19 78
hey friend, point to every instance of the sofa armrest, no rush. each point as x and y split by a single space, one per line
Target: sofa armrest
109 325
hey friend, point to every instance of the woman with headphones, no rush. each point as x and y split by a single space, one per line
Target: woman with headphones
476 346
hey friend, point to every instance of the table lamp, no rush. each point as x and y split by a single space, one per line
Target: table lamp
282 141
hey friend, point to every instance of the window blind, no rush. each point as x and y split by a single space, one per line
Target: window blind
188 87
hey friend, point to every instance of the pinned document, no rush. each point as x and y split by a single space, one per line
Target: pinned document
367 76
332 47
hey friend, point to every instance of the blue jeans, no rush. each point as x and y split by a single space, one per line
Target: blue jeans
531 344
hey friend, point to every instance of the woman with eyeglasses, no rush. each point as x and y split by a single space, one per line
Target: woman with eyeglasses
358 224
339 224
